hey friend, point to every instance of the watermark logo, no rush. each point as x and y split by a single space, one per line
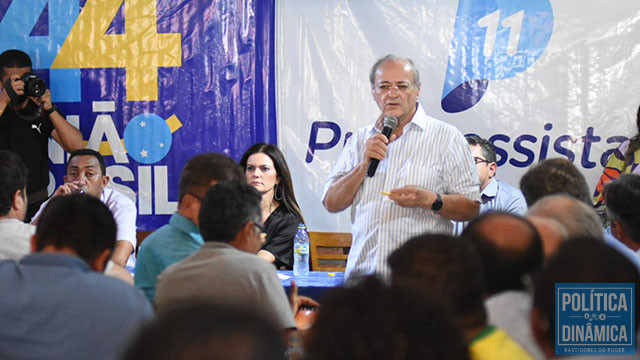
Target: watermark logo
594 319
493 40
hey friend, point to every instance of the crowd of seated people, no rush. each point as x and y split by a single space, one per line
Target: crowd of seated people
484 294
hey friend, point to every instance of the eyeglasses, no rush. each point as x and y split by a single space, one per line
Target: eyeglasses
386 87
479 160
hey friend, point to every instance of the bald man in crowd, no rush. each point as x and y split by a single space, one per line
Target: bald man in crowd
450 270
560 177
551 232
509 259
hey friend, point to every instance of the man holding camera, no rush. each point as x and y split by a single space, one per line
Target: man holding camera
27 119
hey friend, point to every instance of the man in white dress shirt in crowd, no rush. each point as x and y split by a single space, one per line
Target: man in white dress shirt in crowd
426 175
86 174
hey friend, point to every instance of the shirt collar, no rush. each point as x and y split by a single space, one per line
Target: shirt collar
103 195
491 190
419 119
217 245
184 224
55 259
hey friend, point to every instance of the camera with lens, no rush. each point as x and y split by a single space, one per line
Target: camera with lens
33 85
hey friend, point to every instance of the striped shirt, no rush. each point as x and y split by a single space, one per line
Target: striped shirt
430 154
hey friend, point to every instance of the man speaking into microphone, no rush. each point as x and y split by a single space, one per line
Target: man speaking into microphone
424 177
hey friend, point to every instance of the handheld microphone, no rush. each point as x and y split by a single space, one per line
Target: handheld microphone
390 122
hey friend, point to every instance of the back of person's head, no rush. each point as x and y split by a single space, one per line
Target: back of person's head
13 177
371 321
201 332
14 59
508 254
584 261
554 176
226 208
80 223
203 169
488 150
552 233
447 268
577 217
90 152
622 197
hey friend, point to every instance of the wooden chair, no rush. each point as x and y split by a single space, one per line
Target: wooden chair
140 236
329 250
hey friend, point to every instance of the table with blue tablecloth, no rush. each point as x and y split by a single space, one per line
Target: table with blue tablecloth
314 285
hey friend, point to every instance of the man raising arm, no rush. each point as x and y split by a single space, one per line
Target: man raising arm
26 122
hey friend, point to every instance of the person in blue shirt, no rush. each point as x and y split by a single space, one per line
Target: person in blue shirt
181 237
56 303
494 194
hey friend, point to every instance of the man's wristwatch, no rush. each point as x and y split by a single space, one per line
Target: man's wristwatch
51 110
437 204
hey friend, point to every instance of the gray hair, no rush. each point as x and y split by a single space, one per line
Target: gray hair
578 218
391 57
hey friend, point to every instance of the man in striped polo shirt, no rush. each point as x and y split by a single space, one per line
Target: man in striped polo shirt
426 175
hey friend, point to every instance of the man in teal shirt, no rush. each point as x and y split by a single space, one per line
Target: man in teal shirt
181 237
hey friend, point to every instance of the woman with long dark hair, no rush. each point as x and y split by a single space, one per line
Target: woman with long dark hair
267 171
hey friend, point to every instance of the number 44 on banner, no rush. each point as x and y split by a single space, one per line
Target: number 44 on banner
141 50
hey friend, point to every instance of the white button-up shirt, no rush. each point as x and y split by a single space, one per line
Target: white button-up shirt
431 155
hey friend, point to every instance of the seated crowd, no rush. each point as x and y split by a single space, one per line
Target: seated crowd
212 291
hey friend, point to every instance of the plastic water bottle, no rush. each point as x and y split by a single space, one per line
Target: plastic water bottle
301 252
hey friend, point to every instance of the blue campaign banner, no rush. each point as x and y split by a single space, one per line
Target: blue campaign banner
493 40
151 83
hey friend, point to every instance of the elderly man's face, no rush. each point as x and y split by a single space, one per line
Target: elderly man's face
84 171
394 90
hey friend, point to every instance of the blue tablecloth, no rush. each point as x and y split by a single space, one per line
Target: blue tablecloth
313 285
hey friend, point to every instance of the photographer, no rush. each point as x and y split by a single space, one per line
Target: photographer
27 119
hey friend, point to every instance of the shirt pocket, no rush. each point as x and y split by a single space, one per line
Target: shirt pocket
418 171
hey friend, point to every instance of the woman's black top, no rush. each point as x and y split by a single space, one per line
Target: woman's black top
281 227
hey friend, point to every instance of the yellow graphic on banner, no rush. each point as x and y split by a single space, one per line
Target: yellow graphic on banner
105 149
174 123
141 50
